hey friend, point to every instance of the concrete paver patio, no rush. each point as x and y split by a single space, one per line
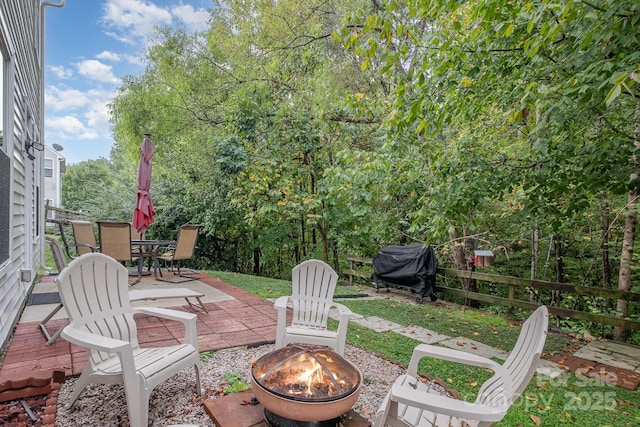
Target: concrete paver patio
235 318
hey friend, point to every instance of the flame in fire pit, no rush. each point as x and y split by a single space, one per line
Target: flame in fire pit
314 374
310 377
305 374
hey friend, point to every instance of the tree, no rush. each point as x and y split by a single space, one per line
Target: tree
473 65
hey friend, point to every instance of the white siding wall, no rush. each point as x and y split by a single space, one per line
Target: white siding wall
19 34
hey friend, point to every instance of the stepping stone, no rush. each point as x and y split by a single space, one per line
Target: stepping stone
550 369
421 334
615 376
475 347
601 352
377 324
335 314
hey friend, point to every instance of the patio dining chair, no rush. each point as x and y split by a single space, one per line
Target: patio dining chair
84 236
183 250
313 285
95 294
411 402
115 241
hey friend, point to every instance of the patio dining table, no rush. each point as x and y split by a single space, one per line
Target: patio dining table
149 249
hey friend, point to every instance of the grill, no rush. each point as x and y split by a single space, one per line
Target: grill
409 267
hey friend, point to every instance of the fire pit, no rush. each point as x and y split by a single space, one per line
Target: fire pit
298 385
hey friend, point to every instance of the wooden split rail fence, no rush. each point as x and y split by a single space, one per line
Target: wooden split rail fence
517 286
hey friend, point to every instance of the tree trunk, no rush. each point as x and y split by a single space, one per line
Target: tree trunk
535 253
256 254
624 278
559 257
605 221
462 262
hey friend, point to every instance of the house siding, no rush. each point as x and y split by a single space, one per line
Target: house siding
20 36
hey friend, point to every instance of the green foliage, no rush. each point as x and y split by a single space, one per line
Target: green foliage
234 383
324 129
100 189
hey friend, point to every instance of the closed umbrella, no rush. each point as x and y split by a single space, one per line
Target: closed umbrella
144 212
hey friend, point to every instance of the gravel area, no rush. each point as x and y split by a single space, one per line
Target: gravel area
175 400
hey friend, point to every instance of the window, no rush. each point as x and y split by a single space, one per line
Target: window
48 168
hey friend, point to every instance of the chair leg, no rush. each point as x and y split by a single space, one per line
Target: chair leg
81 384
137 402
51 338
198 368
200 305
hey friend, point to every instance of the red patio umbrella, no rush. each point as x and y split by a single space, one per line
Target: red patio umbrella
144 212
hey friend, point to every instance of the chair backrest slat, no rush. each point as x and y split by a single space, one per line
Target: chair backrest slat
313 285
95 292
115 240
521 363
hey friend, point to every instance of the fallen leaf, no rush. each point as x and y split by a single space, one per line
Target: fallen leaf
536 420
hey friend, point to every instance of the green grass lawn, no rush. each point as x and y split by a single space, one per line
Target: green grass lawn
569 400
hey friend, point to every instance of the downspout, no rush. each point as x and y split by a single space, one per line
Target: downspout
42 6
41 230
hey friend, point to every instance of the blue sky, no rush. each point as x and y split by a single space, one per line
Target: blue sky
89 46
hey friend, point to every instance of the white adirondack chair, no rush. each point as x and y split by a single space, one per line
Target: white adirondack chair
95 294
411 402
314 283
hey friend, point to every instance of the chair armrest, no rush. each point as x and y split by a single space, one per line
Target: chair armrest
281 307
426 350
166 313
93 341
281 302
343 311
187 319
86 245
445 405
451 355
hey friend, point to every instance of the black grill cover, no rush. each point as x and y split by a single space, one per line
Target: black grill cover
410 266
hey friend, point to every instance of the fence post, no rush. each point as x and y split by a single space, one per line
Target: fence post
351 275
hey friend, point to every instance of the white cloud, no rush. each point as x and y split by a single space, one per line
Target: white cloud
96 70
97 118
135 60
109 56
59 99
197 20
121 38
61 72
69 127
133 21
67 100
134 17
